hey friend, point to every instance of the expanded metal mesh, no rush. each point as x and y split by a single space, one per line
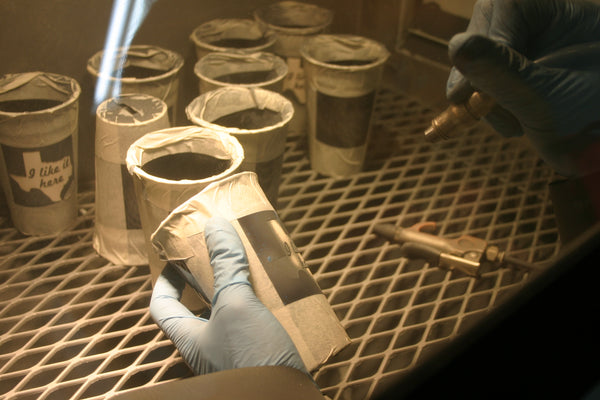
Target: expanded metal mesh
75 326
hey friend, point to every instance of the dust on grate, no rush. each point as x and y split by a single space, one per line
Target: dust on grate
74 326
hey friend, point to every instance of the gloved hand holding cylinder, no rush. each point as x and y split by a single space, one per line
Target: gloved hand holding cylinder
280 278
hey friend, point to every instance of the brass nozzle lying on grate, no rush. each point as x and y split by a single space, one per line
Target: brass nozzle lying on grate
459 116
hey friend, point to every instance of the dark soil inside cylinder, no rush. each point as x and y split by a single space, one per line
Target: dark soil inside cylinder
191 166
239 43
251 118
349 63
292 25
247 77
27 105
134 71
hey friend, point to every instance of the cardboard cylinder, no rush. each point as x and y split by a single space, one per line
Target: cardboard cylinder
278 274
264 70
142 69
231 35
38 155
120 121
166 186
293 23
343 74
258 118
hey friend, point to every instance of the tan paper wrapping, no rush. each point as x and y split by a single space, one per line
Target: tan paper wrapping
163 83
343 73
38 151
264 146
211 69
293 22
156 196
221 35
278 273
118 234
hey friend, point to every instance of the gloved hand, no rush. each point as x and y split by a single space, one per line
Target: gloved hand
556 107
241 331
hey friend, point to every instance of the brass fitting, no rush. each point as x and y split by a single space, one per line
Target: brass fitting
447 124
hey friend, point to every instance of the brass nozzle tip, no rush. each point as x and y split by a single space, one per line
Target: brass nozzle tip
459 116
432 134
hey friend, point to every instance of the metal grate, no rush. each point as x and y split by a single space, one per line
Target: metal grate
74 326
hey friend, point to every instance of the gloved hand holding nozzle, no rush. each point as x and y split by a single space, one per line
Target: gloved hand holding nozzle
534 66
241 331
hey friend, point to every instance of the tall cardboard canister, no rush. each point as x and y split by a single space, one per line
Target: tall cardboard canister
142 69
38 150
231 35
258 118
264 70
294 22
343 74
120 121
171 165
278 274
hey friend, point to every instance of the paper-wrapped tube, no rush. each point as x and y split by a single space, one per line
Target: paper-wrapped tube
38 150
264 70
258 118
294 22
162 185
278 273
343 74
120 121
142 69
238 35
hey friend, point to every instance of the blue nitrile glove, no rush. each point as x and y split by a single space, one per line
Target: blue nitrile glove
241 331
557 108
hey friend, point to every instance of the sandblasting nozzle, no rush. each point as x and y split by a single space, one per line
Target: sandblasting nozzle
457 116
